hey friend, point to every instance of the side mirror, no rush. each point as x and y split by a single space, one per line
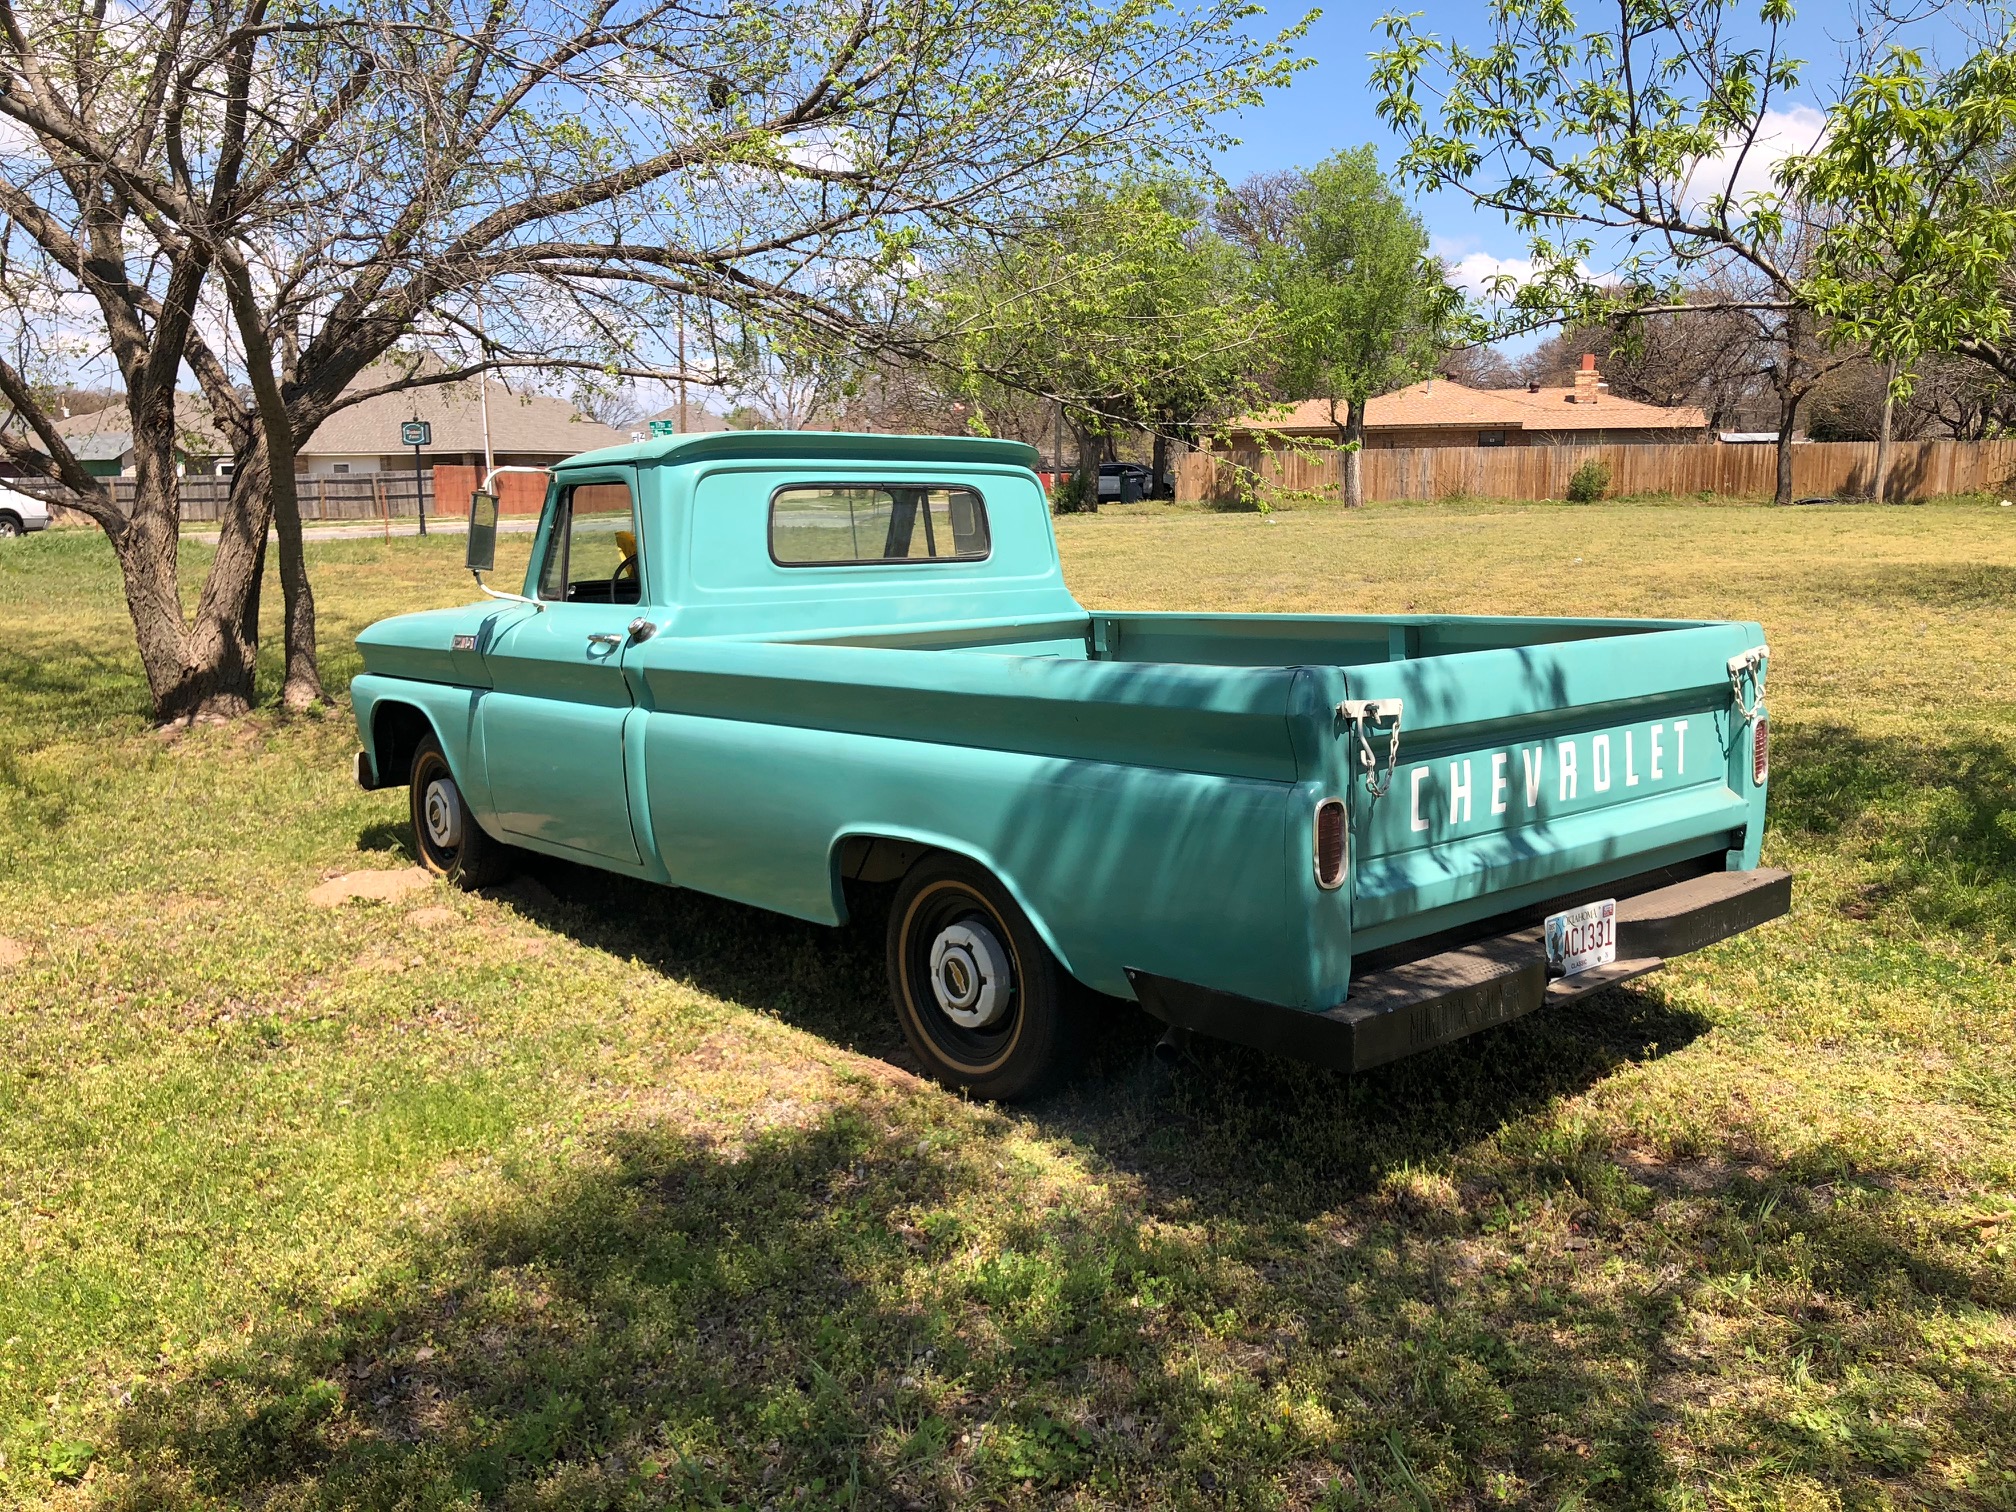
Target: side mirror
483 533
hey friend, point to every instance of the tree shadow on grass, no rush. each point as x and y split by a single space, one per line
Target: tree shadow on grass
1228 1130
809 1321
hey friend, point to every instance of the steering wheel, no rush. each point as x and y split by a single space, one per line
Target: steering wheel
627 568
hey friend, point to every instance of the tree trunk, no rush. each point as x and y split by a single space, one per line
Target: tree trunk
1089 447
203 668
273 454
1354 441
1882 486
1788 414
1158 465
302 687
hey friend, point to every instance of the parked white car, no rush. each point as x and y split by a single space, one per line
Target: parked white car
21 513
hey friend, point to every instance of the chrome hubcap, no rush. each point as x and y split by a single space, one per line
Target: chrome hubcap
442 807
970 975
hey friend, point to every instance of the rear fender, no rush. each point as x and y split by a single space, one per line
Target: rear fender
909 846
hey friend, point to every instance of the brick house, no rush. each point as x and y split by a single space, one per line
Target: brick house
1440 412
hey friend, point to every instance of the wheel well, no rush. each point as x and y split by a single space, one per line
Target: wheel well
8 514
873 858
396 732
867 865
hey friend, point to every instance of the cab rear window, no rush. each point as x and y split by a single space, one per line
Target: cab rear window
853 524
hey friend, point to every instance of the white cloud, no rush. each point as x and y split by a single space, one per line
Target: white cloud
1780 134
1474 271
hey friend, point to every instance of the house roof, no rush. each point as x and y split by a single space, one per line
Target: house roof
520 421
698 418
1441 402
106 435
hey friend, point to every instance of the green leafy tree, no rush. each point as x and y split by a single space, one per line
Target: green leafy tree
1363 309
1128 311
1633 154
1915 177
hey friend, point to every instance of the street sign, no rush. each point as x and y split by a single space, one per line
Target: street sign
664 428
416 433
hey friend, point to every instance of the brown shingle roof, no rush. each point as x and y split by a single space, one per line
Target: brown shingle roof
1440 402
698 417
519 422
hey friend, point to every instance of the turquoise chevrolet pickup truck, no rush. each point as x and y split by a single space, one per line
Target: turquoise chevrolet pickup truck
784 667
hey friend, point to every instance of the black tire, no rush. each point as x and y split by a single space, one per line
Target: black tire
449 841
10 525
1025 1035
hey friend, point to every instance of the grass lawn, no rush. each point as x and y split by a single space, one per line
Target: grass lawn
591 1194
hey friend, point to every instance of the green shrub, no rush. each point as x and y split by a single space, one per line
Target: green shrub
1590 482
1070 496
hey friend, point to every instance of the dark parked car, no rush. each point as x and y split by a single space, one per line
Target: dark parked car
1125 483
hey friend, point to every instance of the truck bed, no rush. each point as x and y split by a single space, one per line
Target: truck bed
1478 817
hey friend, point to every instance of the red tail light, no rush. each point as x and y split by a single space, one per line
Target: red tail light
1330 843
1760 749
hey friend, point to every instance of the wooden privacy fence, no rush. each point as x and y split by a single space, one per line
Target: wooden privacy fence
354 496
517 493
1831 469
368 496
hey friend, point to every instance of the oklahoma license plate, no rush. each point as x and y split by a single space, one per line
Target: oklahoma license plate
1578 938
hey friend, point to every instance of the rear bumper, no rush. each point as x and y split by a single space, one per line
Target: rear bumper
1396 1011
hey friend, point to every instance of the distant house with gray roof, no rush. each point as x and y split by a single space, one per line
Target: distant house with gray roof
102 441
527 429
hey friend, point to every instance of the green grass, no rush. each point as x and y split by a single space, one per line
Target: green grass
592 1194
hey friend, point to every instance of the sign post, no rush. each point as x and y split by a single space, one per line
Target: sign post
417 433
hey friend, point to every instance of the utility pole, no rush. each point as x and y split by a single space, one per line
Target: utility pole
483 396
682 366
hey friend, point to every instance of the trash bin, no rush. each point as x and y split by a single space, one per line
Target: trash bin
1131 489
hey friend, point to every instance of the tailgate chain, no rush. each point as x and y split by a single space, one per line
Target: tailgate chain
1363 712
1750 666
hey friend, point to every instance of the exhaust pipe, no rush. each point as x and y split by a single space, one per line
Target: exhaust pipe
1174 1046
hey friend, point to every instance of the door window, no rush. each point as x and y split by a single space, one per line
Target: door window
591 553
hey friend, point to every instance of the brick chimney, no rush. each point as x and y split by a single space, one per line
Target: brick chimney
1586 380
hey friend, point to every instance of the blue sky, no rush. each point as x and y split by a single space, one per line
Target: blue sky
1330 105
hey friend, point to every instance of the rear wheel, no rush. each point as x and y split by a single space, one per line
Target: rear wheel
446 835
977 992
10 525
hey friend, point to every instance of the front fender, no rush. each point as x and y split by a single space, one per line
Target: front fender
451 711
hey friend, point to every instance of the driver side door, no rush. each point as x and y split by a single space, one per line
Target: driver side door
553 722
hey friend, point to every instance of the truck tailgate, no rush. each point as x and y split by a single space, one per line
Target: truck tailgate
1527 773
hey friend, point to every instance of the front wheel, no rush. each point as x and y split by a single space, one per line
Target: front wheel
11 527
450 842
977 992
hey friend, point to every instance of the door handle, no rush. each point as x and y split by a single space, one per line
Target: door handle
605 638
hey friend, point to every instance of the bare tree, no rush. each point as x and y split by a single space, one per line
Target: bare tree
512 183
1482 367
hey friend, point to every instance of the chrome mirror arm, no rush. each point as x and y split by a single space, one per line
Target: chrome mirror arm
511 598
